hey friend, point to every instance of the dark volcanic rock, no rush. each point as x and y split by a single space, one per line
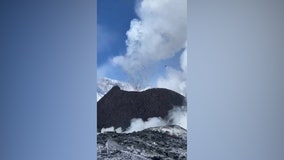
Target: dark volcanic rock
118 107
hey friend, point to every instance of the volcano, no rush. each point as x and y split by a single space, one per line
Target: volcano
118 107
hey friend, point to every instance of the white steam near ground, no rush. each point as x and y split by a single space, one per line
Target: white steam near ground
176 116
159 34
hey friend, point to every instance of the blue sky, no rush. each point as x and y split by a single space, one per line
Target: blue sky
113 20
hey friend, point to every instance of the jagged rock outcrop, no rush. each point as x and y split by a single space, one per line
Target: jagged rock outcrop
118 107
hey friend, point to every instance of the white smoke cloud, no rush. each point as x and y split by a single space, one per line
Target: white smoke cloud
175 79
159 33
183 61
176 116
137 124
110 129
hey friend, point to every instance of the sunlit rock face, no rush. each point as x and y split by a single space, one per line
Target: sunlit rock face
118 107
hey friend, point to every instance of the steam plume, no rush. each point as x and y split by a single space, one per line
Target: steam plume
158 34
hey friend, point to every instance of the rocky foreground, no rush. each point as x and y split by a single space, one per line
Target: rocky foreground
157 143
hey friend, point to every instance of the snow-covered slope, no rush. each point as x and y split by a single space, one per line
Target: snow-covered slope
105 84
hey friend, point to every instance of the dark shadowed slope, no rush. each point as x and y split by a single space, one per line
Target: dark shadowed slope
118 107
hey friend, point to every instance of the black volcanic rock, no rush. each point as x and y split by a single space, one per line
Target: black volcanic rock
118 107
